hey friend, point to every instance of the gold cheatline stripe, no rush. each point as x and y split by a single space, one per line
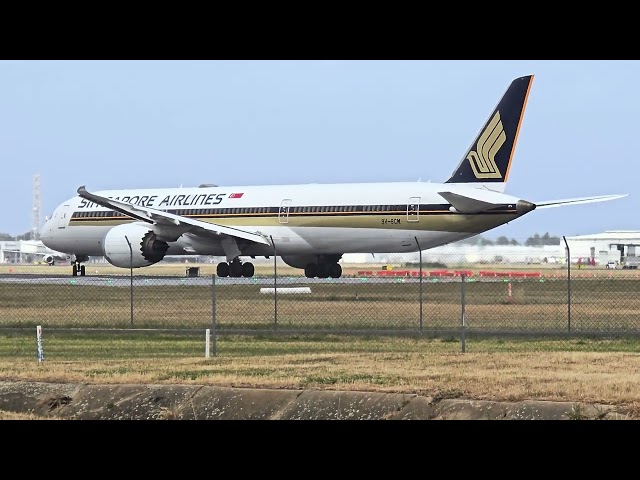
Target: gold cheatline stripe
303 215
363 213
440 222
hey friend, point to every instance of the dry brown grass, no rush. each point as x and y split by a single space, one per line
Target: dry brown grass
23 416
608 378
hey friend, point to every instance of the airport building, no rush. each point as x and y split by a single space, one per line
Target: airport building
595 249
612 245
22 251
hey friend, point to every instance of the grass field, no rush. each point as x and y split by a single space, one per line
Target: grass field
598 305
580 370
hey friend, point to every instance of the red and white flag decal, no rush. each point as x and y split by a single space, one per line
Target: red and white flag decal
236 195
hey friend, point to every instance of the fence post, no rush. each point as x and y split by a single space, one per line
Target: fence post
275 285
213 313
420 252
130 275
568 285
39 343
463 322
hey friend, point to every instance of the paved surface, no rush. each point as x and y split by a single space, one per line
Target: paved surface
194 402
281 282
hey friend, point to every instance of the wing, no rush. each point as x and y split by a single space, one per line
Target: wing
577 201
159 217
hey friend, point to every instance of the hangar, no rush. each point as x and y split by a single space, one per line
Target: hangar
596 249
611 245
21 251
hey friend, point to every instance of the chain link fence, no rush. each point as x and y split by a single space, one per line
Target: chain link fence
452 298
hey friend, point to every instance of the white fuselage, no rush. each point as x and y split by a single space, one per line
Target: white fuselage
299 219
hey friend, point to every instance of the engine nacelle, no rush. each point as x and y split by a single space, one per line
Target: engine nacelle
299 261
145 250
52 259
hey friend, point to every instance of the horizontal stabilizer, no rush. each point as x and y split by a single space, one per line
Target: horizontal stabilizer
465 204
577 201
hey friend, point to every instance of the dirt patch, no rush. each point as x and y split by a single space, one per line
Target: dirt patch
38 400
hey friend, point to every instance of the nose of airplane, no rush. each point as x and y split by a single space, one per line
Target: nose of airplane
45 232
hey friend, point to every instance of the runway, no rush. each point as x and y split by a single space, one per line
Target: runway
148 281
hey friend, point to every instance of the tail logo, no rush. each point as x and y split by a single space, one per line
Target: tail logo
482 160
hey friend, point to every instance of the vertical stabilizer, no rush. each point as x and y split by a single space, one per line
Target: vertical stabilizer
488 160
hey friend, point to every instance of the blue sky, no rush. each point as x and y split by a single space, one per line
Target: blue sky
128 124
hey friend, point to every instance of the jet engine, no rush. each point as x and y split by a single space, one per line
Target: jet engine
51 259
299 261
146 249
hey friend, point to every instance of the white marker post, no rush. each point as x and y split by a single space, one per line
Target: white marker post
207 337
40 349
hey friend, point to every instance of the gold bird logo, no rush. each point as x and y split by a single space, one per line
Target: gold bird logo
482 160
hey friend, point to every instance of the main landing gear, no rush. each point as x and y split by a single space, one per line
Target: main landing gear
78 268
323 270
235 269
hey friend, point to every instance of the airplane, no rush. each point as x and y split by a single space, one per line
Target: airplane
49 257
309 226
55 258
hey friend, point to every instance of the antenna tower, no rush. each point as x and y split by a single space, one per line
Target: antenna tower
35 219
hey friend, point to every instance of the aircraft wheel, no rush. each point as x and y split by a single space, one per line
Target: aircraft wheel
310 270
248 269
335 270
323 270
74 270
222 270
235 269
82 270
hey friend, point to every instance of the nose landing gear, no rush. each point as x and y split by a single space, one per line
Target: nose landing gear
78 268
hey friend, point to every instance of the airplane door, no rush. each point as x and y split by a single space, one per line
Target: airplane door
413 209
62 216
283 215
